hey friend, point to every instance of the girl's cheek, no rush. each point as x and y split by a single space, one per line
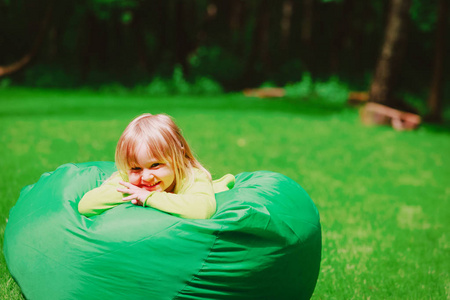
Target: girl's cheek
134 178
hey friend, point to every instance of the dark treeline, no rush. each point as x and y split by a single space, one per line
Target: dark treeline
236 43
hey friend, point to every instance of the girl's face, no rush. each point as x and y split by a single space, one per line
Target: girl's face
151 174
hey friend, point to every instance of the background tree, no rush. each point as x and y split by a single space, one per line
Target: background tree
40 35
237 44
435 97
392 50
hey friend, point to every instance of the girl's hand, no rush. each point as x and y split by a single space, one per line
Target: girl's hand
137 195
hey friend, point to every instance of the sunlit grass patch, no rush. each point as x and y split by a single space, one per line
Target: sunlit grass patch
383 195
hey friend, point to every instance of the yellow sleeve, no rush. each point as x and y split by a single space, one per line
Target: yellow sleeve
102 198
224 184
194 202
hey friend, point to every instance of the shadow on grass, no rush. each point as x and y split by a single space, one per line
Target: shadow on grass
443 127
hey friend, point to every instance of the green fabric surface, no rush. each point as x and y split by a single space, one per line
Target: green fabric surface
264 242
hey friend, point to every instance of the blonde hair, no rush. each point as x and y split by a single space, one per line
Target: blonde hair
164 142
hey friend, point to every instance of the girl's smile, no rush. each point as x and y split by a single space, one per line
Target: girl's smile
151 187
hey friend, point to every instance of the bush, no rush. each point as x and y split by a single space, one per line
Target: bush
48 76
113 88
178 85
206 86
216 63
5 83
302 88
157 87
333 90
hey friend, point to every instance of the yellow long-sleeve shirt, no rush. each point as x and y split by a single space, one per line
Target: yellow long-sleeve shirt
196 201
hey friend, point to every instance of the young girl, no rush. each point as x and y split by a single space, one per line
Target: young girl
156 168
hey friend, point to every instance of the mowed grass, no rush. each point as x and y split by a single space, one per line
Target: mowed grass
383 195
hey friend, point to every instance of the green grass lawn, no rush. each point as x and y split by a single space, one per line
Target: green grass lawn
383 195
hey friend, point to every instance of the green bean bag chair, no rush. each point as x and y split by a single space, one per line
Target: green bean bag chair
264 242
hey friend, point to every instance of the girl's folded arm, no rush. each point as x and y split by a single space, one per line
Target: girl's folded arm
102 198
196 202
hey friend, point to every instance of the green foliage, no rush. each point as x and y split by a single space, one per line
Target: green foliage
158 86
178 85
175 85
332 91
217 63
48 76
110 10
127 17
303 88
5 83
416 101
424 14
206 86
268 84
113 88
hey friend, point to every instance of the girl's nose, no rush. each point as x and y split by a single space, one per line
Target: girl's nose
147 175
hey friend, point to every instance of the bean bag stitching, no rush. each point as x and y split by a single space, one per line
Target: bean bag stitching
129 245
217 233
307 244
303 221
302 240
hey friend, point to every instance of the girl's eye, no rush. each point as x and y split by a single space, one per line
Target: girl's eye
155 165
135 169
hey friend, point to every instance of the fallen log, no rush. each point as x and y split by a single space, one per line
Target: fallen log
378 114
265 92
357 98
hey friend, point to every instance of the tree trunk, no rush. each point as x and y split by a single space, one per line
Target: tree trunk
265 36
285 24
138 33
181 39
236 26
435 97
235 15
387 69
162 15
92 40
306 35
241 39
256 40
307 21
17 65
340 34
